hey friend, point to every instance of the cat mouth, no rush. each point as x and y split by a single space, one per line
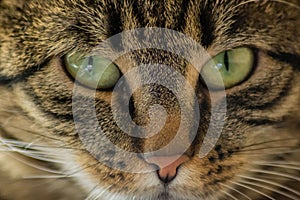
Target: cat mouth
164 196
167 194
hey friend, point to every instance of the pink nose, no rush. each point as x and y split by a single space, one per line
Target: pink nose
168 166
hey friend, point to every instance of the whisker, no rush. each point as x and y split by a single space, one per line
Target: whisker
39 153
56 147
267 142
41 168
71 174
45 177
47 156
101 193
63 145
98 193
270 182
44 152
271 189
281 162
228 194
272 178
36 133
267 148
236 190
276 165
43 158
267 153
252 189
19 112
89 194
275 173
35 155
53 178
25 145
84 168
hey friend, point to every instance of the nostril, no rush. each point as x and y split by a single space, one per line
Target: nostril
168 166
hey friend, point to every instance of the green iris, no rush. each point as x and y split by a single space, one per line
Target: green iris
228 68
92 71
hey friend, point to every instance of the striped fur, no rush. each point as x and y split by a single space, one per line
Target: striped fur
257 156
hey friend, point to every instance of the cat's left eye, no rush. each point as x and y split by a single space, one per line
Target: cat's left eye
228 68
92 71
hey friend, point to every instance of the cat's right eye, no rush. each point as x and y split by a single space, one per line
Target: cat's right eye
92 71
229 68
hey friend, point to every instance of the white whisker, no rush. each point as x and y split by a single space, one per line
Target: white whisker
251 149
271 183
228 194
266 142
276 165
41 168
37 157
46 176
12 111
275 173
271 189
233 189
18 147
281 162
90 193
36 133
97 193
249 153
71 173
254 190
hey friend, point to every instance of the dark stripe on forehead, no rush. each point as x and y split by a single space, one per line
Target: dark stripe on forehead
138 12
200 21
168 14
114 22
154 56
207 25
175 14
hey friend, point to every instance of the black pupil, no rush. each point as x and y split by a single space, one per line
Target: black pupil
226 61
90 64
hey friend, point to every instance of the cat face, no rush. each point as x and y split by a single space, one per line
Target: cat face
259 137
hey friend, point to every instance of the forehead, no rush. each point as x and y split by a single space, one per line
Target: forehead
51 28
207 22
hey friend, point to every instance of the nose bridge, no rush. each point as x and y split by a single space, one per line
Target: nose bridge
150 95
167 78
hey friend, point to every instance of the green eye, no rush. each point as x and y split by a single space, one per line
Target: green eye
93 71
228 68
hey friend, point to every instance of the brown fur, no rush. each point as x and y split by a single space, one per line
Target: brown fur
262 119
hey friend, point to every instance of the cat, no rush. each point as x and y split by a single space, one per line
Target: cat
49 149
